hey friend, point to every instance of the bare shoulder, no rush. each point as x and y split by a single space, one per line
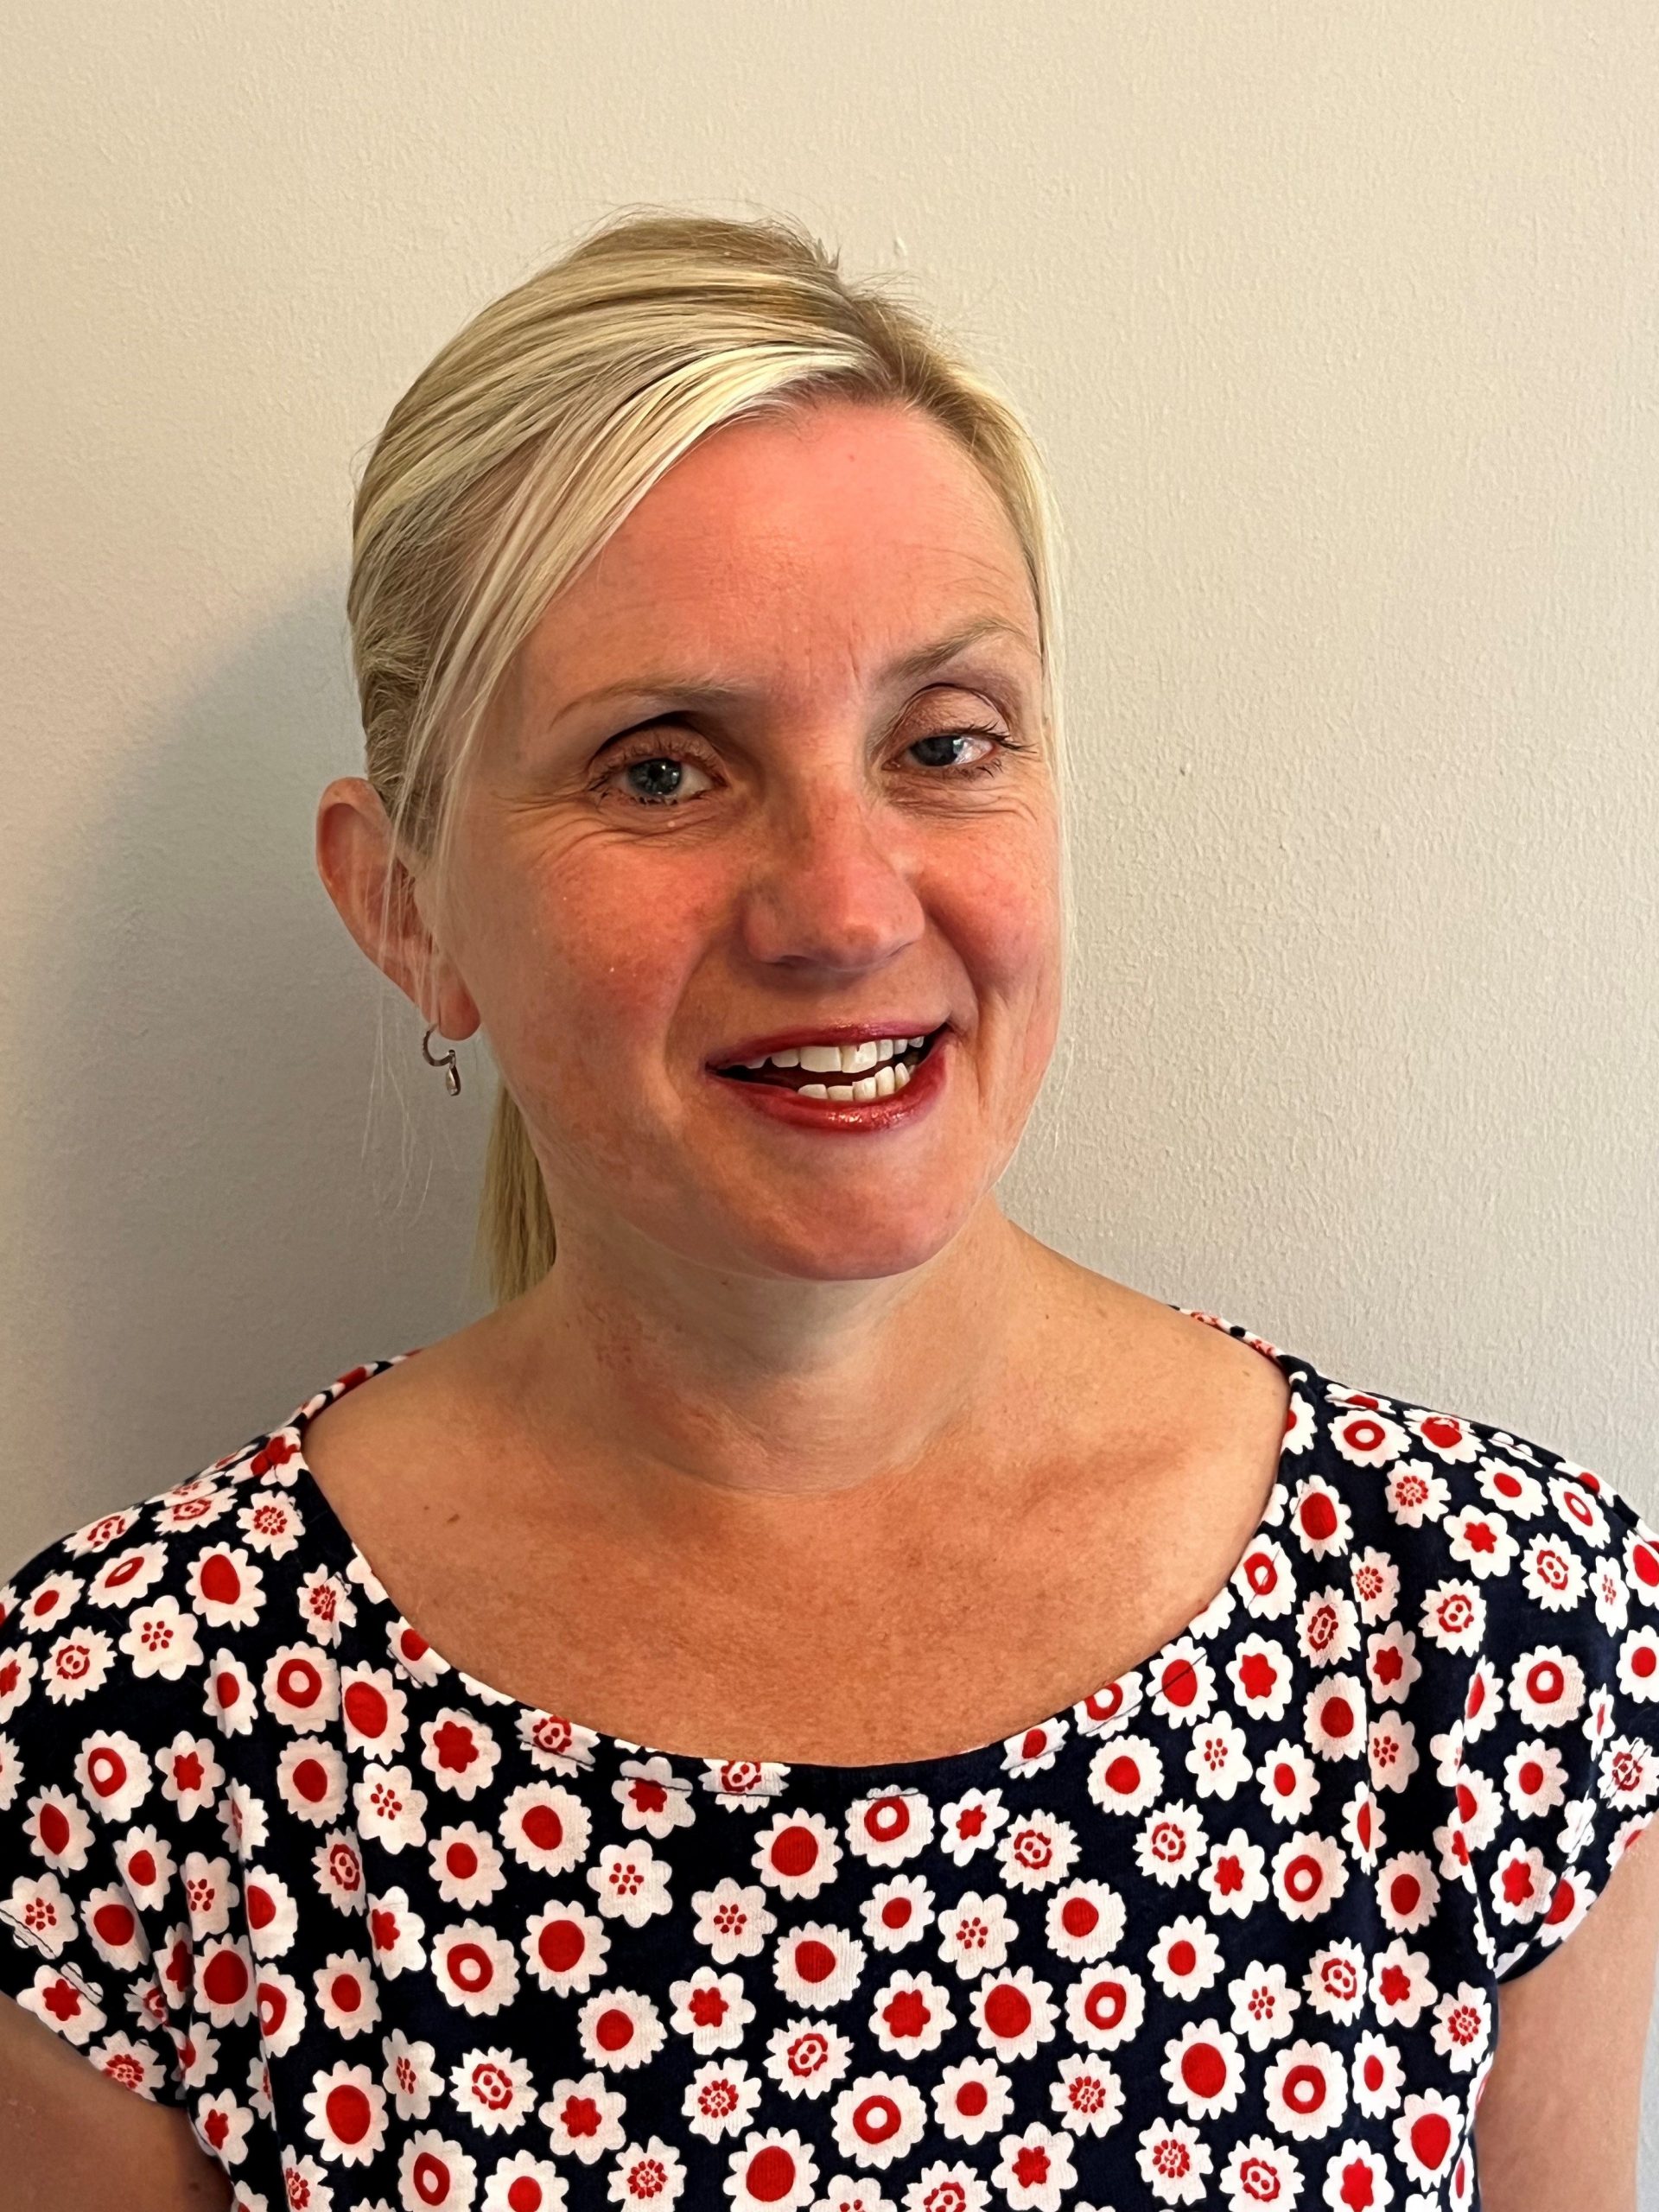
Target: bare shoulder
1582 2015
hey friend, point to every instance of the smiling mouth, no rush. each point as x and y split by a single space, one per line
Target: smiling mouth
797 1078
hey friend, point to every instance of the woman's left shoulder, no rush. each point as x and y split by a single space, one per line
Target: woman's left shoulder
1507 1598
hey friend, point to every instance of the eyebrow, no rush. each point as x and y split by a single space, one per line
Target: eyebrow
921 662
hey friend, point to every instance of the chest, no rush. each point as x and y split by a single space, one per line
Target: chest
838 1640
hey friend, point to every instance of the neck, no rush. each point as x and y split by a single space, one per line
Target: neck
748 1384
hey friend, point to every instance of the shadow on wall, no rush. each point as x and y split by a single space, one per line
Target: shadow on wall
215 1224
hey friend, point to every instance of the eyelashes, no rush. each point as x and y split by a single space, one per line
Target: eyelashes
637 751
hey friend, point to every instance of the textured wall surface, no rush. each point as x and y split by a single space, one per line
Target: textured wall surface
1340 329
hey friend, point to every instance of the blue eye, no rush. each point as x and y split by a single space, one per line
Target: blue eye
668 765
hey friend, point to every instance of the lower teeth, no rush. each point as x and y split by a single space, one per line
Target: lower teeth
862 1093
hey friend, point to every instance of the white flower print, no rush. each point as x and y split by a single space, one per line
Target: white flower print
1266 1580
1415 1493
271 1523
1173 2161
1309 1873
630 1884
1126 1774
652 2173
390 1808
466 1865
76 1665
898 1912
345 2113
1391 1751
1185 1959
878 2117
346 1997
301 1687
743 1785
1105 2006
797 1854
339 1870
1172 1844
1035 2170
889 1828
1088 2095
1546 1687
1264 2005
1037 1851
161 1640
126 1578
1463 2027
114 1775
619 2029
1479 1540
1373 1578
98 1535
373 1710
733 1919
566 1947
1182 1682
244 1818
807 2057
546 1826
1084 1922
1261 2171
209 1893
190 1775
303 2186
59 1831
394 1933
818 1965
18 1670
1335 1981
1034 1750
1552 1574
523 2183
492 2089
773 2172
1333 1718
1426 2133
459 1751
409 2076
1233 1877
1104 1712
1327 1627
720 2099
1306 2089
225 1588
325 1606
1012 2012
910 2014
473 1968
711 2008
1377 2076
1260 1675
1204 2070
972 2099
1218 1758
652 1799
51 1601
435 2171
948 2185
970 1824
41 1909
975 1934
117 1937
583 2118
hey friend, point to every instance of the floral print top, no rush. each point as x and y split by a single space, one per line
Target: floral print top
1229 1932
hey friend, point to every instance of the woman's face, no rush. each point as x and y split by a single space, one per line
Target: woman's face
646 884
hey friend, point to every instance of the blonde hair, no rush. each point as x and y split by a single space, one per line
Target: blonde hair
525 443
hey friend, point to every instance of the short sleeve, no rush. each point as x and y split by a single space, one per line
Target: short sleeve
81 1874
1558 1765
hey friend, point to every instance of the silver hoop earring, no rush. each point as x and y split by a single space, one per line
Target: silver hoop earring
452 1073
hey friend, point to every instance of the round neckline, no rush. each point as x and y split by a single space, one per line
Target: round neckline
985 1764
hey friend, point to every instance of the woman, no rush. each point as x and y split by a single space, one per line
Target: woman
817 1701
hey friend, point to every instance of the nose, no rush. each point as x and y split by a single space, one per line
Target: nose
832 886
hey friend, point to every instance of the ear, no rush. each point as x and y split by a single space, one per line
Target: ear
353 844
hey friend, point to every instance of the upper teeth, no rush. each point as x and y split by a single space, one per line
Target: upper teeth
839 1059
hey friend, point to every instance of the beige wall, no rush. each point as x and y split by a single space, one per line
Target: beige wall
1340 326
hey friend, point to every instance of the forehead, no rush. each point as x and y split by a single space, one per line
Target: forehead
792 551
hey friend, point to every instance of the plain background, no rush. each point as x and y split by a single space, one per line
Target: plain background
1339 329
